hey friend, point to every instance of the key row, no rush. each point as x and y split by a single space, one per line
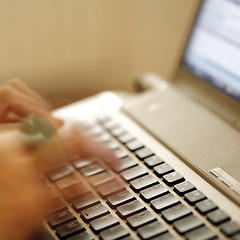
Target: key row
65 224
203 205
138 184
88 200
192 197
170 177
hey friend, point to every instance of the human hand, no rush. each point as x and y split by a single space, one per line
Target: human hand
18 172
18 101
24 199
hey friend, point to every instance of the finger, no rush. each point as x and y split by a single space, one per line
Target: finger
20 104
12 118
4 105
23 88
6 127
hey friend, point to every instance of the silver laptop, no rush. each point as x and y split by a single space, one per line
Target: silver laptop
179 143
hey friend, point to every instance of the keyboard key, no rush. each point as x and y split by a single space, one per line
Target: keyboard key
153 192
144 153
92 169
126 138
165 236
129 209
134 145
183 188
105 137
127 238
57 205
140 219
60 218
203 233
110 188
94 212
84 202
164 202
114 233
162 169
119 199
151 230
143 182
80 236
153 161
69 229
59 173
89 124
74 157
102 223
117 132
75 191
230 228
113 145
133 173
67 181
51 193
194 197
100 178
175 213
187 224
96 130
206 206
173 178
217 217
125 164
121 153
104 119
80 163
111 125
236 237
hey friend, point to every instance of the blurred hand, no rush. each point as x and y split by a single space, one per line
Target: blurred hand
17 101
79 141
24 201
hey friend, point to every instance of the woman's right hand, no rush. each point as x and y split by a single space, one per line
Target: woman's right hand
18 101
24 200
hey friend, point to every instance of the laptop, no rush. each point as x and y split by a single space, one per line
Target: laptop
178 141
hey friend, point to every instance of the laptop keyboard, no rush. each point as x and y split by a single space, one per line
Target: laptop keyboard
143 198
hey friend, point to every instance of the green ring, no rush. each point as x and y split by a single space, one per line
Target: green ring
36 130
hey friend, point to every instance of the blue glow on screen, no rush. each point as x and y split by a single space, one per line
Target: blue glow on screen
213 52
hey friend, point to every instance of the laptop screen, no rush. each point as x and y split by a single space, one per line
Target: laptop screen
213 51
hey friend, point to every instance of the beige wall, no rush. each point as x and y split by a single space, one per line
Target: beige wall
79 47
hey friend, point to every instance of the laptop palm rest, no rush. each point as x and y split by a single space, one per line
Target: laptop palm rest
197 136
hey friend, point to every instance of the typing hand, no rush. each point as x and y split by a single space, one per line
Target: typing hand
79 141
24 200
18 101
